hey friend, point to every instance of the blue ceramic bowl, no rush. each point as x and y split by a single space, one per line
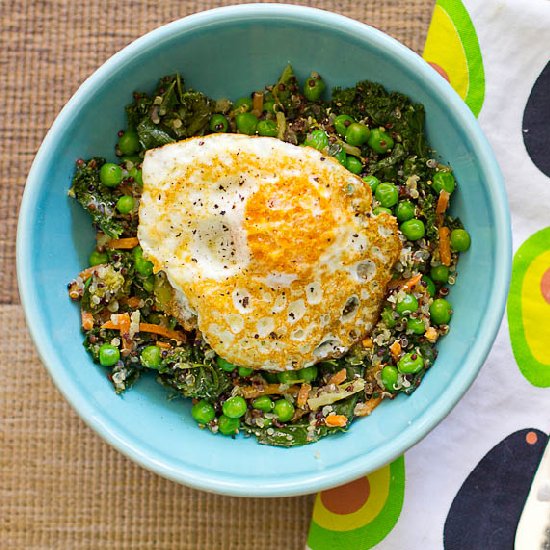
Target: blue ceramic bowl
228 52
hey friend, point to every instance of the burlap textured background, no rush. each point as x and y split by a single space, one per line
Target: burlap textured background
60 485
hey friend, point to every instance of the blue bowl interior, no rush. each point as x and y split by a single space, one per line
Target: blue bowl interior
229 55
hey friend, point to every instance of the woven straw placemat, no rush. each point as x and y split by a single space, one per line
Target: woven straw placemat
60 485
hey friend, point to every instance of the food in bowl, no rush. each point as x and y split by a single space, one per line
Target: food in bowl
282 260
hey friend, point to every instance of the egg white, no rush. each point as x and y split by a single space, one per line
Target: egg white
271 247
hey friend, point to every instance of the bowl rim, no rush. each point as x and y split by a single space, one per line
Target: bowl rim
352 468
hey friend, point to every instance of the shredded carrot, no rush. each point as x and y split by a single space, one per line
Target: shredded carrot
442 202
338 377
89 271
118 321
87 320
406 284
412 282
367 343
336 421
145 327
123 244
251 392
121 322
303 394
133 302
395 350
364 409
162 331
164 345
445 245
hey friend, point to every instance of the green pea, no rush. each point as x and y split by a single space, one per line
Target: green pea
379 141
108 355
150 357
137 253
373 181
228 426
353 164
410 363
287 377
270 377
267 128
405 211
342 123
134 159
387 194
388 317
380 209
308 374
443 181
225 365
269 106
128 143
407 304
218 123
144 267
263 403
317 139
203 412
125 204
284 410
416 325
97 258
243 104
136 174
429 284
389 376
440 274
314 87
245 372
234 407
110 174
341 157
246 123
357 134
413 229
440 311
460 240
149 283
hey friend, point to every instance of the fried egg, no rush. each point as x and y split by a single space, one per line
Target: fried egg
271 248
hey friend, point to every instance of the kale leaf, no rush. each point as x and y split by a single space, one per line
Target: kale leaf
170 114
290 435
191 373
194 110
386 169
97 199
153 135
346 406
389 109
428 205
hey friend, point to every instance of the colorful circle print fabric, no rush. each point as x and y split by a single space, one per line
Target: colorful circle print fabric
466 486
